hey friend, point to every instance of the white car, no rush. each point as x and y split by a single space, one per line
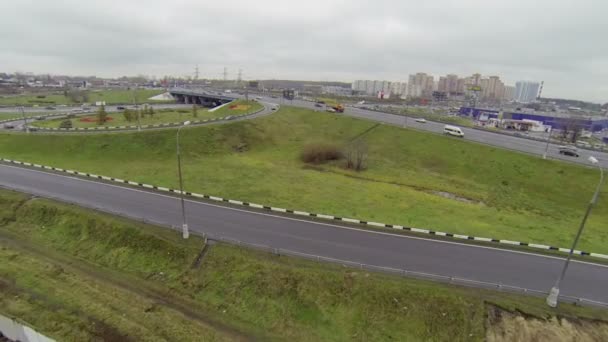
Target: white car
421 120
453 130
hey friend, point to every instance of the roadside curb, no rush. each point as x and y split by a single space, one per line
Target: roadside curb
312 215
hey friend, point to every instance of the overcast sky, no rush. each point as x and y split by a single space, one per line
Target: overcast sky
562 42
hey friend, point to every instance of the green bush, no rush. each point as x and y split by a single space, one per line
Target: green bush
66 124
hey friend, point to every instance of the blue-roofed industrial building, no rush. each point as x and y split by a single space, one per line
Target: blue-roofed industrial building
555 120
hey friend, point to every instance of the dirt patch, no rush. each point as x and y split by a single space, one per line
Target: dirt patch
512 326
94 119
452 196
240 107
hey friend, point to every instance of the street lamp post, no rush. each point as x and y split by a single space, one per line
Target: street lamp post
185 232
548 141
552 298
25 127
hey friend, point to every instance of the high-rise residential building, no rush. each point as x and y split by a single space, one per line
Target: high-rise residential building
399 88
509 93
442 84
370 87
461 87
422 81
526 91
495 90
414 90
473 80
483 84
452 83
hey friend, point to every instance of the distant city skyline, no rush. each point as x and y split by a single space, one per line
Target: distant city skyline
560 43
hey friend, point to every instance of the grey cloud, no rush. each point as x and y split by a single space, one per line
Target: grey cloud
560 42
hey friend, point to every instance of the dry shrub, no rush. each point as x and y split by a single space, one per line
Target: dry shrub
319 153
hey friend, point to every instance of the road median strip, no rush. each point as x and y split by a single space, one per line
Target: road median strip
315 215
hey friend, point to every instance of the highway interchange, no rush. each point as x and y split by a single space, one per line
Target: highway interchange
19 123
525 270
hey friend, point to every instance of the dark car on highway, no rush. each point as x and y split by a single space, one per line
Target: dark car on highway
568 151
8 126
121 108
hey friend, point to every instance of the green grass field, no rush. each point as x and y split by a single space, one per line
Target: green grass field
57 98
77 275
502 194
160 116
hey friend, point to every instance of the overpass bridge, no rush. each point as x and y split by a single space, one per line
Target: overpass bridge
200 96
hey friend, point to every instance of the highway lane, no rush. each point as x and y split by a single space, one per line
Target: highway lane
526 270
488 138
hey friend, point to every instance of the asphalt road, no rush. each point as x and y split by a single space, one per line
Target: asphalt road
525 270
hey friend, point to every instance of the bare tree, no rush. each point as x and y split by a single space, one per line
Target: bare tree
102 115
356 155
571 129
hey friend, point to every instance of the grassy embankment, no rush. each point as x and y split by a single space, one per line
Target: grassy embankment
75 274
413 178
159 116
118 96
